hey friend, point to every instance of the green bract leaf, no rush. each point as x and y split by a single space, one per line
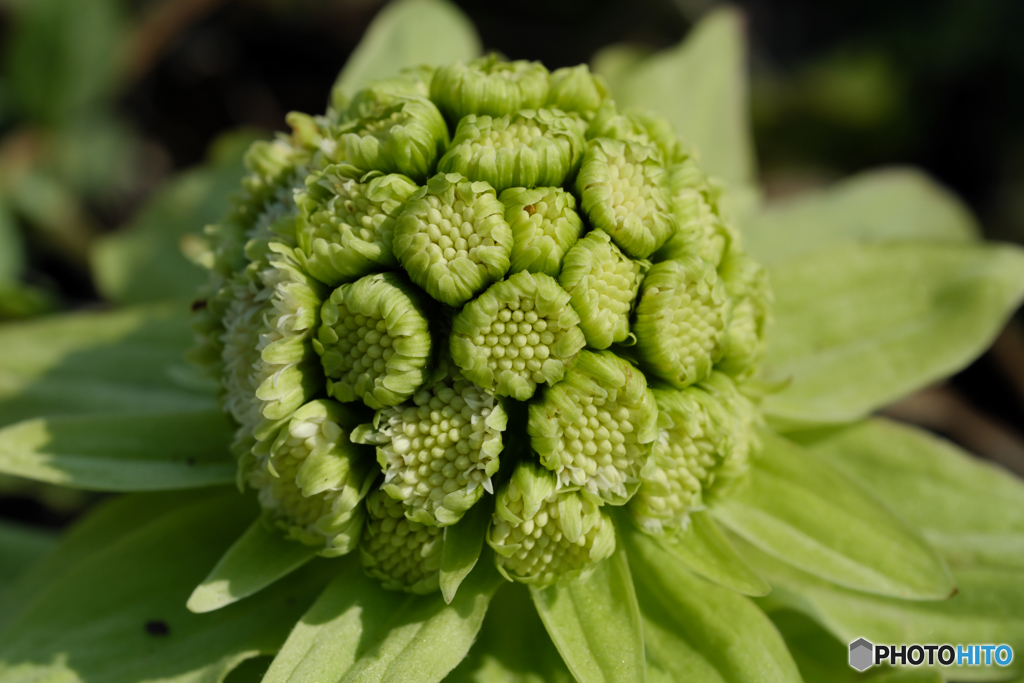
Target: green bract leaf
409 33
887 205
96 363
20 547
857 327
357 631
115 610
971 511
461 550
800 509
695 630
121 452
594 621
700 86
260 556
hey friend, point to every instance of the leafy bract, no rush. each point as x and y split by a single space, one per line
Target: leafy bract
859 326
113 605
885 205
357 631
809 514
259 557
121 452
594 621
409 33
700 86
462 544
695 630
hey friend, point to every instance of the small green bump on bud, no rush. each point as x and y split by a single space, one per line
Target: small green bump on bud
313 478
594 429
544 225
489 86
702 229
411 82
452 238
405 136
743 344
520 333
680 318
575 89
624 191
347 219
524 149
402 554
639 127
540 534
374 341
603 283
439 450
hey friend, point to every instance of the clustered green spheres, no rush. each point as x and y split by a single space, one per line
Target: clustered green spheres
482 285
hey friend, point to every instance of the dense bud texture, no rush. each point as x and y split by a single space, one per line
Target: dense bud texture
552 304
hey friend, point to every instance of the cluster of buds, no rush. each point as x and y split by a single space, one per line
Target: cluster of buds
546 312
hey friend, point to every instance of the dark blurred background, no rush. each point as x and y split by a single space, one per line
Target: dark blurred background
104 102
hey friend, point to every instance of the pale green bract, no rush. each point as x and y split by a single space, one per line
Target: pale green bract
537 352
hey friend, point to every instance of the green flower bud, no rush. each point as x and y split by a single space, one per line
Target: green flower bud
624 191
603 283
489 86
638 127
594 429
575 89
702 230
374 341
519 333
680 318
411 82
440 450
313 478
406 136
743 343
524 149
540 534
400 553
347 220
452 238
544 225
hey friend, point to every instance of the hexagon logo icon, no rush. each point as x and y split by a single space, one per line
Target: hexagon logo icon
861 654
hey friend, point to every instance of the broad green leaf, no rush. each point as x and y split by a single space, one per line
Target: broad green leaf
12 251
970 510
859 326
144 262
700 86
121 452
707 551
809 514
117 612
409 33
886 205
261 556
594 621
357 631
462 544
108 362
20 547
697 631
529 657
988 608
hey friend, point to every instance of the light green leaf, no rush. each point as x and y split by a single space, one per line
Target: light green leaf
409 33
144 262
697 631
809 514
529 657
707 551
106 362
121 452
462 544
700 86
260 556
357 631
885 205
20 547
116 612
857 327
594 621
970 510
